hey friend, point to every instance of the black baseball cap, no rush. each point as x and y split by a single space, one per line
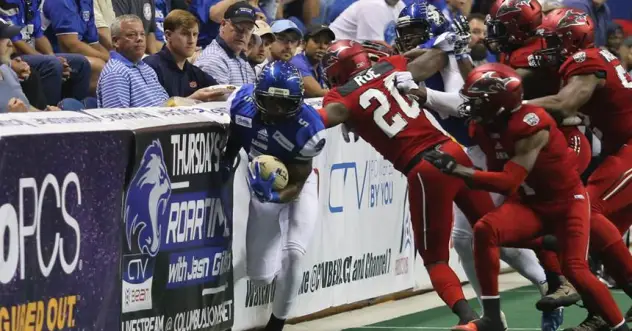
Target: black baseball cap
240 12
316 29
8 31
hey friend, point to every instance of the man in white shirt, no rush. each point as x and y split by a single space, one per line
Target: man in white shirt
368 20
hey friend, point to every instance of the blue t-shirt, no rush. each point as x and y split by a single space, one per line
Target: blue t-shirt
29 19
301 62
295 140
70 16
162 9
208 28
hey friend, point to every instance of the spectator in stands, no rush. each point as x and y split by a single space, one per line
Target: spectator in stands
600 14
146 10
317 40
126 81
301 12
287 38
211 14
224 58
179 77
615 38
71 29
62 75
456 7
478 30
103 18
163 7
258 54
368 20
625 54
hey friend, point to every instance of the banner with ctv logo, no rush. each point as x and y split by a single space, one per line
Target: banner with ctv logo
60 206
177 236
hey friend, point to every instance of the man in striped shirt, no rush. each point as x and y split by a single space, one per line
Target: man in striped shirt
224 58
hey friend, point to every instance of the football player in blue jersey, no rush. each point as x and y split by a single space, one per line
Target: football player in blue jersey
270 118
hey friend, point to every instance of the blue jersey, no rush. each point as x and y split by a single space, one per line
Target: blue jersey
448 79
29 19
70 17
296 140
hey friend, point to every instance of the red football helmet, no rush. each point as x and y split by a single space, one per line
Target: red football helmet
491 90
510 23
566 31
377 50
344 58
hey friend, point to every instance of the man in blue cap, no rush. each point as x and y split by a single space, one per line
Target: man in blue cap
288 37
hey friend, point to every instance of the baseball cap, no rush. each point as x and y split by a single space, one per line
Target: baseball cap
316 29
8 31
285 25
262 29
240 12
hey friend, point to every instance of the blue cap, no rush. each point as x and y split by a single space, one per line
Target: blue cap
279 26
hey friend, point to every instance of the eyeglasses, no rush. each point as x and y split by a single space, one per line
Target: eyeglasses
240 29
285 39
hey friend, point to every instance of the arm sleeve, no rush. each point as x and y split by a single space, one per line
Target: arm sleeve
582 63
505 182
443 103
113 91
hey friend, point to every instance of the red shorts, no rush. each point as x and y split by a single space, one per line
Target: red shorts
610 188
431 197
578 142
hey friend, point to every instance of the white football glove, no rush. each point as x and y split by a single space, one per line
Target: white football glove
404 81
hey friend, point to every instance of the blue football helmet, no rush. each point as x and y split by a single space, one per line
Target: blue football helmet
279 90
412 26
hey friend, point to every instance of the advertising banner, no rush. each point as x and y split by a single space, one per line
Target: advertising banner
60 207
361 248
177 236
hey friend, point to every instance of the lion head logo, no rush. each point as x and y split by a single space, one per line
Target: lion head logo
571 18
511 6
146 200
490 83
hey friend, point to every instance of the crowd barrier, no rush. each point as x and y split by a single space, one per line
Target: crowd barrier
119 212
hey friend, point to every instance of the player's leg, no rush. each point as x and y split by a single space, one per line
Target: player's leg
509 224
263 241
302 217
572 235
431 194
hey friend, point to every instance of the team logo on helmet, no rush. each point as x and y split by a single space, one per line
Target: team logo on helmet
511 6
571 18
333 55
490 83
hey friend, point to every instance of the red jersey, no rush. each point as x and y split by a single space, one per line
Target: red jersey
610 106
546 81
554 175
395 125
521 57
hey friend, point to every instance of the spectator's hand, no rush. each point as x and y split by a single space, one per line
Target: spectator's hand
206 95
67 69
17 106
52 108
21 68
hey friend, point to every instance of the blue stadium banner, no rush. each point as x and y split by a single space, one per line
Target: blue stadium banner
60 207
177 237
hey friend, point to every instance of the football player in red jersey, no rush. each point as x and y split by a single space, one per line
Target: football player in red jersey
512 26
596 85
366 97
539 175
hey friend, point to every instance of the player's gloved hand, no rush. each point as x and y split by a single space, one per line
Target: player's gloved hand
262 188
442 161
463 37
404 81
228 167
346 129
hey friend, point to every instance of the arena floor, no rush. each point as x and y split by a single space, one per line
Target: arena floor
424 312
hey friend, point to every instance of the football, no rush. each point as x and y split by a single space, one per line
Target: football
269 164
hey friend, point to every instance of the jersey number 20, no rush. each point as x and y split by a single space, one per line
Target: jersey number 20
399 120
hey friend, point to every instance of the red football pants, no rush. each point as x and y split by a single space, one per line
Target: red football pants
515 222
431 196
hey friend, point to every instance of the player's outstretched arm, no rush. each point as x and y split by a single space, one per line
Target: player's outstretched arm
571 97
505 182
333 114
297 175
427 64
444 103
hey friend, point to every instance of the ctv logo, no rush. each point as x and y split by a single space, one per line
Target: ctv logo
368 184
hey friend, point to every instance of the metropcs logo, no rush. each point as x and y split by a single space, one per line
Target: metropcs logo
372 184
42 203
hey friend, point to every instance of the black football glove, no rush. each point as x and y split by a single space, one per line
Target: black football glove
442 161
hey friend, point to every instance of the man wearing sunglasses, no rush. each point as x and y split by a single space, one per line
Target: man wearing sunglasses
224 58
